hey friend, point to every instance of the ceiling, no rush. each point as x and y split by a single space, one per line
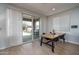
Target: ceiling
46 8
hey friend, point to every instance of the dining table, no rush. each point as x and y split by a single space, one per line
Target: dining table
52 38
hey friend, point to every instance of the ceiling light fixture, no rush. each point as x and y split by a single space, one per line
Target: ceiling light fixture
53 9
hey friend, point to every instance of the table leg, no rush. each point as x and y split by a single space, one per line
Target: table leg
41 41
62 37
63 40
53 46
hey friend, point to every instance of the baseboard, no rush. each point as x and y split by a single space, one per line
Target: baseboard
73 42
3 48
11 46
77 43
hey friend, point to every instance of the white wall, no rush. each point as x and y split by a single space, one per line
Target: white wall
63 22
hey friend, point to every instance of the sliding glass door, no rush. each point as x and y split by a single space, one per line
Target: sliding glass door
30 28
27 29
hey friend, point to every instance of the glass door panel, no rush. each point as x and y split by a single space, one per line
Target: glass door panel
27 29
36 29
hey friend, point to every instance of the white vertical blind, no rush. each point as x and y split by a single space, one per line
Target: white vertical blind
56 23
14 26
61 23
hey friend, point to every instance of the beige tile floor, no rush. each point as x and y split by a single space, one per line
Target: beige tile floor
34 48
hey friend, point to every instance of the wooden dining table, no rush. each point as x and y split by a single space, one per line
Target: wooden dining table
52 38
